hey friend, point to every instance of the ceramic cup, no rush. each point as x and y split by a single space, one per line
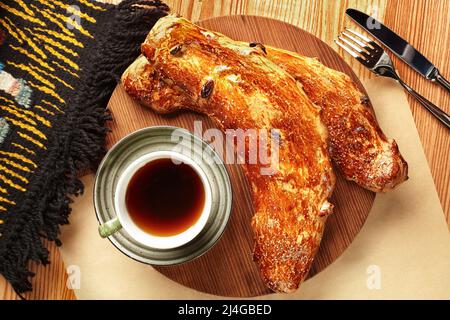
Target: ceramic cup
123 219
119 165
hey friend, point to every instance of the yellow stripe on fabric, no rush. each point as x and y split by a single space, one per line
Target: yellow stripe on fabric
11 183
25 8
42 120
80 28
37 69
61 36
6 201
19 157
13 174
15 165
52 105
10 30
91 5
72 22
46 3
62 57
3 190
1 221
65 69
32 73
73 10
22 15
30 42
32 114
6 100
33 57
23 114
47 90
17 145
17 114
57 44
32 140
47 14
44 110
27 127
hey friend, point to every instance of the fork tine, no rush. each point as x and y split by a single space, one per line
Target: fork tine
358 42
343 46
354 47
362 37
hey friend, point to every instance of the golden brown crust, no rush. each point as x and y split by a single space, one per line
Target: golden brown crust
357 144
251 92
142 82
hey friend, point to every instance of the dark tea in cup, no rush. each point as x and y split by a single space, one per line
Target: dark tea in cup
165 198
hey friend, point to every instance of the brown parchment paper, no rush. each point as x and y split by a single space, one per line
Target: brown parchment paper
403 250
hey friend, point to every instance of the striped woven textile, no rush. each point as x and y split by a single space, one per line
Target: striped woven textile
59 63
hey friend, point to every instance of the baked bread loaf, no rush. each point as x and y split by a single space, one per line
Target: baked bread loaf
356 144
249 86
198 70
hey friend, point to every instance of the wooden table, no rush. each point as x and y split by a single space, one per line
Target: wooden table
425 23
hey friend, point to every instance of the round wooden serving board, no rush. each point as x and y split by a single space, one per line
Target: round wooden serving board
228 269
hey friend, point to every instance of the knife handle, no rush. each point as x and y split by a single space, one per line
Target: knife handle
433 109
442 81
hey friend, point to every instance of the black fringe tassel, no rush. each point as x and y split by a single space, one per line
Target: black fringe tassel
78 145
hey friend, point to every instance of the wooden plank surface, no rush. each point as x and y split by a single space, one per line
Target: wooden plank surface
425 23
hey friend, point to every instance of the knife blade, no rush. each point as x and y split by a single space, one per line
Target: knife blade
400 47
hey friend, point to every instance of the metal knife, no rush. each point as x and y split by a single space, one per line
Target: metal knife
399 47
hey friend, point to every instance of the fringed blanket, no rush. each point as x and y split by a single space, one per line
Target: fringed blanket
59 63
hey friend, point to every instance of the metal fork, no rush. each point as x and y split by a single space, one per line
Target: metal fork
372 56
